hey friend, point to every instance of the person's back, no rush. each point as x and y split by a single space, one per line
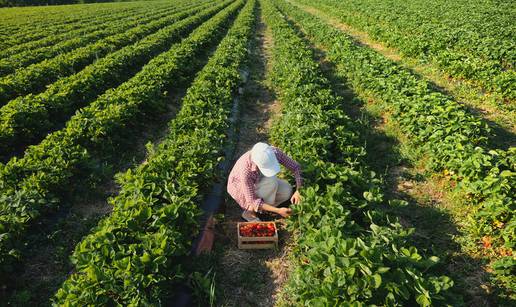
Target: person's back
253 184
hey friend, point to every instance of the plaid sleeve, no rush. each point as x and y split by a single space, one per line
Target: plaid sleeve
289 163
253 202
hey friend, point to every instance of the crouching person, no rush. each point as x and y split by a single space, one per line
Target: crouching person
254 186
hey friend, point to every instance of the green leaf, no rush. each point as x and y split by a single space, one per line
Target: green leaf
377 280
434 259
145 258
423 300
383 269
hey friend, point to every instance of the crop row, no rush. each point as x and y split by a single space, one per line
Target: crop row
27 119
35 32
493 40
34 78
451 139
35 184
133 254
347 252
468 40
69 32
25 58
24 20
23 16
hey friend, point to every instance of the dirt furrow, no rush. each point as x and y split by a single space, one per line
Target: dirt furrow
250 277
485 105
430 201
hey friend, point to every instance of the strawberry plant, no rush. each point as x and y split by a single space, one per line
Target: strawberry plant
453 139
347 252
27 119
135 255
73 30
34 78
33 185
32 26
457 36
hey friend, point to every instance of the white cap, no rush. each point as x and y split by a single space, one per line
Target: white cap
265 158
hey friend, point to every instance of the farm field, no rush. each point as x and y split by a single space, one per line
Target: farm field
119 122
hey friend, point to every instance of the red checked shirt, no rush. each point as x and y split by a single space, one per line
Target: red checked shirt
245 175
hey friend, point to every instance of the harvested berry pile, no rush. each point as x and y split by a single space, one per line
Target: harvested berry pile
258 230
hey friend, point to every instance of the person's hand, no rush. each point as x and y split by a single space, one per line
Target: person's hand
296 198
284 212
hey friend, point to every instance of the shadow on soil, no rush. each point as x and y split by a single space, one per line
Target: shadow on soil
498 138
51 241
249 277
435 229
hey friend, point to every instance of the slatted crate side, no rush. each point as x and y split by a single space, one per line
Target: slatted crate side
249 242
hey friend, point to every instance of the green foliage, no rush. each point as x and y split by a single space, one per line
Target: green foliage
35 26
135 255
33 185
453 139
469 40
347 252
204 287
11 3
61 61
19 42
10 64
27 119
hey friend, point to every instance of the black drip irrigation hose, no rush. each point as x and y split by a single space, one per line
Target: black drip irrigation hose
211 203
213 199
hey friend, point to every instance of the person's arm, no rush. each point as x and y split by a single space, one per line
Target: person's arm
290 164
284 212
253 202
295 168
257 204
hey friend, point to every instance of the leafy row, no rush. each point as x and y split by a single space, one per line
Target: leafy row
35 184
347 252
34 78
452 140
19 20
27 119
71 31
132 256
27 57
44 21
468 40
20 17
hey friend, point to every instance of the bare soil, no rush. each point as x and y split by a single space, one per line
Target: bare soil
429 198
251 277
46 261
485 105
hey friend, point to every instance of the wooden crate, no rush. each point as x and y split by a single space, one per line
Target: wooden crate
250 242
